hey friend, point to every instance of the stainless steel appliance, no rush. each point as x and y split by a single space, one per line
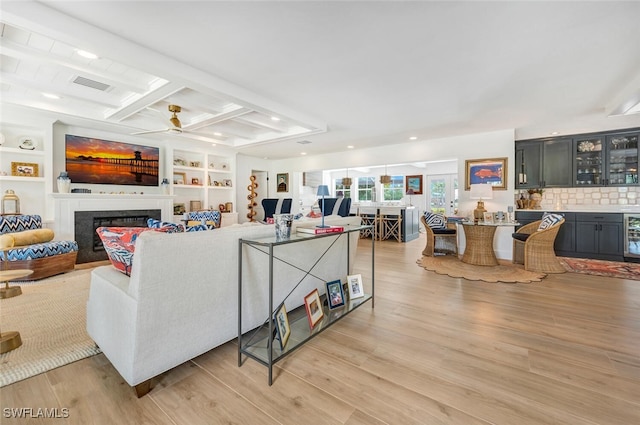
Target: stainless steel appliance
632 236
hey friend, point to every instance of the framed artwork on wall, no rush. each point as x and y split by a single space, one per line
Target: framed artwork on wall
283 182
491 170
415 183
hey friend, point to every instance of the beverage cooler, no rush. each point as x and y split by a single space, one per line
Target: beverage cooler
632 237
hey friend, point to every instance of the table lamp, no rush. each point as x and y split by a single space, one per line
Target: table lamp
410 192
481 192
323 190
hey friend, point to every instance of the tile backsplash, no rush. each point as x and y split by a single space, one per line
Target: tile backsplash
561 198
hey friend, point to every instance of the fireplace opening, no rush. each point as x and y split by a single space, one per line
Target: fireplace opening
90 246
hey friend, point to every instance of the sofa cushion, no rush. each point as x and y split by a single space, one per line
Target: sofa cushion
18 223
435 220
26 237
119 242
165 226
40 250
549 220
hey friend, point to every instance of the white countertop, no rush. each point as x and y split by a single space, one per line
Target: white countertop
592 209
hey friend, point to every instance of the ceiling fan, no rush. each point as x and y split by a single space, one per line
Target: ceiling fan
175 121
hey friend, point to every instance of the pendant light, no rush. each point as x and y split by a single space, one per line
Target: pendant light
386 179
346 181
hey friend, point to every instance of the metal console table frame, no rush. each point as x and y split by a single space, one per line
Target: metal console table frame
260 347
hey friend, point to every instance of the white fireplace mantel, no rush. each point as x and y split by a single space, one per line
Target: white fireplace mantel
66 204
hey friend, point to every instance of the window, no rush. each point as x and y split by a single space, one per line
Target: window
393 191
342 190
366 186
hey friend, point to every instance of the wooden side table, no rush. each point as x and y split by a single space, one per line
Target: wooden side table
479 245
11 340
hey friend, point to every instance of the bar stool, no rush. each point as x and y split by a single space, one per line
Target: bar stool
390 220
369 216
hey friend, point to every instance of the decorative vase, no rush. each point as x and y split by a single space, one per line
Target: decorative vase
535 198
64 182
165 186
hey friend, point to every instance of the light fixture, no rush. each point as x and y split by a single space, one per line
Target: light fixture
10 203
350 147
346 181
385 179
275 118
410 192
86 54
323 190
554 133
217 133
413 138
51 96
480 191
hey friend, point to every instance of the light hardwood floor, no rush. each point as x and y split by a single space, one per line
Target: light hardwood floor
435 350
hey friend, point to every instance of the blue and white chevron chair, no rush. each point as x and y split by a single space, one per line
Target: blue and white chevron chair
26 245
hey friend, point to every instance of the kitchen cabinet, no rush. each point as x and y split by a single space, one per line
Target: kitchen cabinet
600 236
544 162
606 159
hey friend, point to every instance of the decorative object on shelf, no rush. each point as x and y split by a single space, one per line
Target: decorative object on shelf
535 196
179 209
27 143
227 182
228 206
323 190
313 306
283 182
410 192
492 171
195 205
24 169
522 176
251 196
80 190
179 161
179 178
586 146
195 181
480 191
195 164
164 186
415 183
10 203
510 213
222 208
385 179
346 181
283 330
356 289
283 224
64 182
335 294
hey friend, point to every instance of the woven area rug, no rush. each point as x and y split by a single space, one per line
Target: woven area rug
451 266
50 316
602 268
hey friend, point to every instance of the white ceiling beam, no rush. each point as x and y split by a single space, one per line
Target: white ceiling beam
238 112
145 101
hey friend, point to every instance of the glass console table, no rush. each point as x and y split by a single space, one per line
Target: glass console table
258 344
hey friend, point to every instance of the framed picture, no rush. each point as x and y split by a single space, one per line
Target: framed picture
179 209
24 169
227 182
415 183
195 205
488 217
354 282
492 171
283 182
335 294
179 178
313 306
195 180
283 330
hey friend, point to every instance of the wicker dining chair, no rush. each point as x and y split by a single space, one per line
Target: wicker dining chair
444 241
534 248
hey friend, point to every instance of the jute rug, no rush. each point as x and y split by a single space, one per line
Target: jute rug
451 266
50 316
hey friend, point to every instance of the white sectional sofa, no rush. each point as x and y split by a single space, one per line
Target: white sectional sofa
182 297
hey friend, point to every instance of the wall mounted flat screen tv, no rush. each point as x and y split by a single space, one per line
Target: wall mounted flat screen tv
97 161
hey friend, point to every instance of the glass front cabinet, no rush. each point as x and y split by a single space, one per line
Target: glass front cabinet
606 160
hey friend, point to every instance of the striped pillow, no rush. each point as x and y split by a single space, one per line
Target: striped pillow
435 221
549 220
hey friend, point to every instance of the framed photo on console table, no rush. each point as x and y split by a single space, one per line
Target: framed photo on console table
283 330
356 289
313 306
335 294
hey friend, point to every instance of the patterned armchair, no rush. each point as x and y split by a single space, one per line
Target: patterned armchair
210 219
26 245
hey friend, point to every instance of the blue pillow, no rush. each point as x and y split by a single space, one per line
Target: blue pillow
435 221
165 226
549 220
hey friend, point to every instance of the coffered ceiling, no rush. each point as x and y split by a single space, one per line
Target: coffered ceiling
274 79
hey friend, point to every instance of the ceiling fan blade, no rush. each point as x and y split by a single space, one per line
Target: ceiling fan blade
150 131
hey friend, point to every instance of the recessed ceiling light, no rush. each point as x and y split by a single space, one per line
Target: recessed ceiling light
217 134
86 54
413 138
51 96
303 153
213 145
350 147
553 133
275 118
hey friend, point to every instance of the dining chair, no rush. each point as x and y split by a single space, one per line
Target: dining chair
442 236
533 245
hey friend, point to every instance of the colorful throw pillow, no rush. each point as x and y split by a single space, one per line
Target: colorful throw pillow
549 220
165 226
119 242
435 221
197 227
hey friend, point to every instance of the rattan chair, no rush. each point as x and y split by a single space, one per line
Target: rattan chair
444 241
534 248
